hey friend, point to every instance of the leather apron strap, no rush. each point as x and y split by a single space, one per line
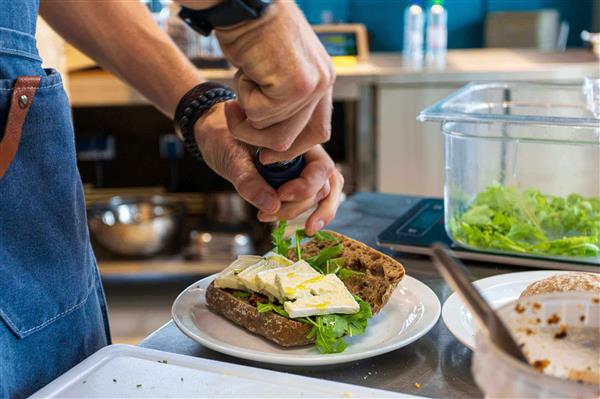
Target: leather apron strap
20 103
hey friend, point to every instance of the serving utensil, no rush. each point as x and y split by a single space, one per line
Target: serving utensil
450 269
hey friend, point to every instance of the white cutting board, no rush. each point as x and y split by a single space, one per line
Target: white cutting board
142 373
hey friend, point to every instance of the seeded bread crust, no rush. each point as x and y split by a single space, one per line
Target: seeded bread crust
283 331
382 275
576 281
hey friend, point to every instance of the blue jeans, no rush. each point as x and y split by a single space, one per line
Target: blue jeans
52 307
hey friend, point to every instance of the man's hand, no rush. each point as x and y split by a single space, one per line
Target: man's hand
283 83
319 183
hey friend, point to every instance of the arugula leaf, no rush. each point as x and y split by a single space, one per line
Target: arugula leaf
241 294
333 266
281 244
329 332
528 221
271 307
299 235
330 329
324 236
345 273
357 322
325 254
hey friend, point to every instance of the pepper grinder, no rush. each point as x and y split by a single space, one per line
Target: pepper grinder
278 173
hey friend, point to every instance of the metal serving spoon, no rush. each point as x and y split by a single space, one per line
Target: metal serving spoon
450 269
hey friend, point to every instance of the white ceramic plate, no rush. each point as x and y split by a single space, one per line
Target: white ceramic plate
497 290
411 312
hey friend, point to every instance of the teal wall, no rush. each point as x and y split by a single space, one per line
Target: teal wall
384 18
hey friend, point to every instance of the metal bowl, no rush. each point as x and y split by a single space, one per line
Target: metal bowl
228 208
218 245
136 227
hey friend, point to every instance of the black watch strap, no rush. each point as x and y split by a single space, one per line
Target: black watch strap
195 103
225 14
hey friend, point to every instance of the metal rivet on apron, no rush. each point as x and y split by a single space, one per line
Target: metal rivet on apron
23 101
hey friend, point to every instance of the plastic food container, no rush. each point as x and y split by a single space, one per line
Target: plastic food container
522 168
562 344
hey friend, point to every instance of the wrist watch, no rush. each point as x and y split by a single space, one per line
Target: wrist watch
225 14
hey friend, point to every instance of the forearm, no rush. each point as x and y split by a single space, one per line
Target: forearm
123 38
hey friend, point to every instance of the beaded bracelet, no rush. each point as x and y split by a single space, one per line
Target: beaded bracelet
195 103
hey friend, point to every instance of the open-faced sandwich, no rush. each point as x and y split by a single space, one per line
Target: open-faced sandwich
316 290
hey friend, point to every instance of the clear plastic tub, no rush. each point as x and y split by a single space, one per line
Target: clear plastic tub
565 367
522 169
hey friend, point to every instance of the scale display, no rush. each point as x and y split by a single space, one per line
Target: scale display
423 225
420 226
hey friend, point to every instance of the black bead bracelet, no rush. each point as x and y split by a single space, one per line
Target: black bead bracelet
195 103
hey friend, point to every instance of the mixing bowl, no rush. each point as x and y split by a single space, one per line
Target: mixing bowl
136 227
559 333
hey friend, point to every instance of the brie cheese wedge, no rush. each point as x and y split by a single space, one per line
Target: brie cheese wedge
294 285
267 279
324 294
228 277
271 261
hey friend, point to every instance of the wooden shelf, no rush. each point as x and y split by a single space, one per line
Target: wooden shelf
99 88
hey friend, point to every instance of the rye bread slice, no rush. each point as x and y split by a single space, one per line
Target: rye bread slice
381 272
281 330
381 276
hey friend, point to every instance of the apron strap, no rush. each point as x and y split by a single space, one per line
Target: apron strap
21 101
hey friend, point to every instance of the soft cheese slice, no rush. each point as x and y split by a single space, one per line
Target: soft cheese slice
228 277
267 278
293 286
325 295
271 261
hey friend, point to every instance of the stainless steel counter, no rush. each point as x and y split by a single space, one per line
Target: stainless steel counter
437 362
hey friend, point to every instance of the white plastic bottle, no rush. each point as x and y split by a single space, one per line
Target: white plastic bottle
437 35
414 23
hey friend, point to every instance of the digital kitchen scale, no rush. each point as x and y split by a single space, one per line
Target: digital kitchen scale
423 224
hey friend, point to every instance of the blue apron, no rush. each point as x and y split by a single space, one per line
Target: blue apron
52 307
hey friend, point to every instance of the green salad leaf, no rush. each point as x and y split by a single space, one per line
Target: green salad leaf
528 221
299 235
329 330
319 261
241 294
324 236
271 307
282 245
345 273
333 266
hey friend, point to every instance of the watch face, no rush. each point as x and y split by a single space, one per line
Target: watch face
259 3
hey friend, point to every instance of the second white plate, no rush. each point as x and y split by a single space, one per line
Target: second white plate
497 290
411 312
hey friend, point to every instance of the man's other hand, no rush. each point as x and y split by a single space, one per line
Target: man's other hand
284 83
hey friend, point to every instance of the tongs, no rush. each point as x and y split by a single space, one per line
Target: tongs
450 269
